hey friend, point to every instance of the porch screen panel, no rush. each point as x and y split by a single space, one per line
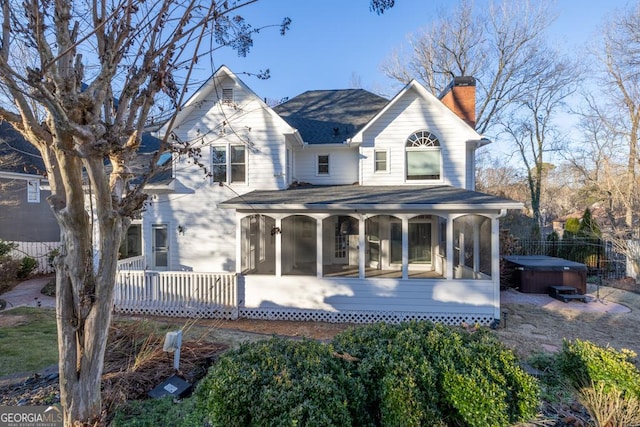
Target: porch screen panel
299 245
472 247
396 242
258 245
419 243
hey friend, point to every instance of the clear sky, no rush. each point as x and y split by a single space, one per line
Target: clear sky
330 41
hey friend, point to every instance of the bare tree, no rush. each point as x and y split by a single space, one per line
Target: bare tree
610 157
619 110
494 45
99 69
522 84
532 121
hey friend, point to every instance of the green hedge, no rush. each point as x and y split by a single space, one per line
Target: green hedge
411 374
585 363
446 375
280 383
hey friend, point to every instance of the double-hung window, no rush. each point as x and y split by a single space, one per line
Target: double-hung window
228 163
423 155
323 164
381 163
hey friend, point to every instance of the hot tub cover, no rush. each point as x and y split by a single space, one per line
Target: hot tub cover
541 262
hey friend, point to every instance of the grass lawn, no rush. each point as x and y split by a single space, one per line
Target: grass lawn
28 340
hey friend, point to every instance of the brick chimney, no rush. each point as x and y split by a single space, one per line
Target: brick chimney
460 97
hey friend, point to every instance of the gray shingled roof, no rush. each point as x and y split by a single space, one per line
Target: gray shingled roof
370 198
330 116
27 157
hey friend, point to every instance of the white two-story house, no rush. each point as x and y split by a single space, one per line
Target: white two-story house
336 205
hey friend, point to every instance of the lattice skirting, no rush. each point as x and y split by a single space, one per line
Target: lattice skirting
205 312
360 317
356 317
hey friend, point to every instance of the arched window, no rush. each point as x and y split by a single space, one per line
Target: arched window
423 156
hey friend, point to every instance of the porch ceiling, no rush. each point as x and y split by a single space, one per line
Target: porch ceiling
370 198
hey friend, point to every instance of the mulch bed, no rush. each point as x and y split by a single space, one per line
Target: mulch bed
134 365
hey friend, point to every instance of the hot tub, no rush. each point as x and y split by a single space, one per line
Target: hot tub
535 273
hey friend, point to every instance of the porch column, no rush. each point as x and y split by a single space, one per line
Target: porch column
361 247
495 261
476 249
278 236
319 244
239 217
405 247
450 249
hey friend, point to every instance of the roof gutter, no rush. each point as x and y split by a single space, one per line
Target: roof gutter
442 207
477 143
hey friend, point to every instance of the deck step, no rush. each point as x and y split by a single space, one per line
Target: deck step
566 293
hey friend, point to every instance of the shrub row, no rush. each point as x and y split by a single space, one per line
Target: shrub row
406 375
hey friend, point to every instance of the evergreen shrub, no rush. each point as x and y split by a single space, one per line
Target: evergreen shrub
27 266
280 383
445 375
585 363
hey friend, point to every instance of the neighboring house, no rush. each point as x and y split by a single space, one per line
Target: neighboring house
337 205
25 215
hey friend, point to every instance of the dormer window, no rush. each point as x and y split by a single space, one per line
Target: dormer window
227 95
423 155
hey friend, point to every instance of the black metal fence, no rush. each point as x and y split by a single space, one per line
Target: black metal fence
598 255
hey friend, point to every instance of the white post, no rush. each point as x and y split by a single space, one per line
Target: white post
278 235
405 247
361 249
450 248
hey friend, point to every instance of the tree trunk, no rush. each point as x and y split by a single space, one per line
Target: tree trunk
85 278
84 307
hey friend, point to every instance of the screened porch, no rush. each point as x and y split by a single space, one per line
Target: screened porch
361 245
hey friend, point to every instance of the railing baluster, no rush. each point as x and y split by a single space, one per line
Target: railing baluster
174 292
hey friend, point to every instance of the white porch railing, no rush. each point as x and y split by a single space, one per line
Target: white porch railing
133 263
177 293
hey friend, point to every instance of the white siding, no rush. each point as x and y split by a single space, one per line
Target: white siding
390 131
343 165
478 297
208 240
208 243
247 121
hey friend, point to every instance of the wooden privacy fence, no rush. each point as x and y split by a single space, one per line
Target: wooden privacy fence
177 294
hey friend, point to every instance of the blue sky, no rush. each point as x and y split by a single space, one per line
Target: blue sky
330 41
